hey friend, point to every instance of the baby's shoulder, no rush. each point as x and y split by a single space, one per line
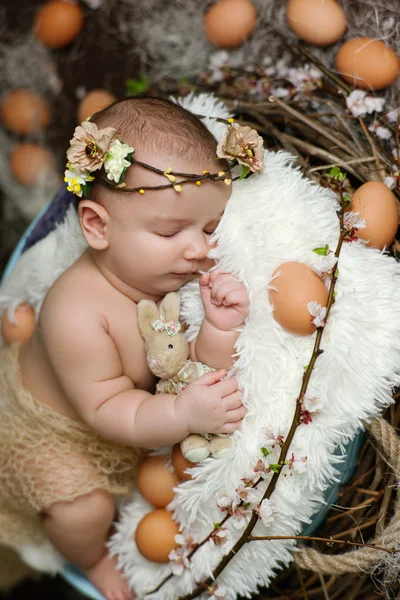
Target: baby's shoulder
75 295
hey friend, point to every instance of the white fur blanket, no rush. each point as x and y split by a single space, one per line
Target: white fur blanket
270 219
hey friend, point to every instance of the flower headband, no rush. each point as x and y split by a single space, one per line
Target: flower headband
92 149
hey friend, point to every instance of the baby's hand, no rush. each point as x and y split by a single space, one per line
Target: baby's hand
211 404
226 301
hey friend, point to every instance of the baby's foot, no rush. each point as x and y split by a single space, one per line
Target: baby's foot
108 580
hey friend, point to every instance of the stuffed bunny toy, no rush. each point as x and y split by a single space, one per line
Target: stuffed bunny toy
167 352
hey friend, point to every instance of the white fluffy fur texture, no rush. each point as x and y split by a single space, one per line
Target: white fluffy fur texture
270 219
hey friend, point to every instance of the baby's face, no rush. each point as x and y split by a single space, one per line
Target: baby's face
160 240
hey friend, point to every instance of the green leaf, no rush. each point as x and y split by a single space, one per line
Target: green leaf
137 87
244 172
336 174
265 451
122 177
246 505
322 251
216 525
275 467
86 189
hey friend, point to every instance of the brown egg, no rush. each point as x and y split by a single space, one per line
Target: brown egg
22 330
228 23
58 23
367 63
31 164
156 482
378 206
296 286
155 535
319 22
94 101
180 463
23 112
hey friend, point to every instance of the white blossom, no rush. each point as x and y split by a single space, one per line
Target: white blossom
219 591
115 161
224 502
304 78
218 61
325 265
239 515
246 494
353 220
318 312
310 403
298 465
250 476
392 115
179 561
280 92
266 511
381 132
360 103
390 182
221 539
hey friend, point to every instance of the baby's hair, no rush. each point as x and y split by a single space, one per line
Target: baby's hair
159 125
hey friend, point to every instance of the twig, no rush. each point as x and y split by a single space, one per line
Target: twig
319 128
379 166
328 541
343 163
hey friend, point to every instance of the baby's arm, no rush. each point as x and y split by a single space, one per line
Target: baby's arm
87 365
226 305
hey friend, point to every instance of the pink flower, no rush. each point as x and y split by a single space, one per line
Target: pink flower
244 144
89 146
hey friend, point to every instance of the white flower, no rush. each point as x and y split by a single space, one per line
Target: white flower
250 477
224 502
381 132
266 512
353 221
392 115
318 312
360 104
221 538
280 92
325 265
115 161
219 591
310 403
390 182
76 180
239 515
179 561
304 78
299 465
246 494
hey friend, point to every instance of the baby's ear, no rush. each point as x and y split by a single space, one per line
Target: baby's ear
147 313
170 307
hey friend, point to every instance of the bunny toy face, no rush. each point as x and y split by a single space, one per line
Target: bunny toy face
166 347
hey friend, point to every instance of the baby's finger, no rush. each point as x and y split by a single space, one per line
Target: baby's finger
220 289
205 279
215 274
236 298
214 377
235 415
233 401
226 387
231 427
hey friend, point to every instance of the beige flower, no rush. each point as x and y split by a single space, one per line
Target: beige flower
244 144
89 146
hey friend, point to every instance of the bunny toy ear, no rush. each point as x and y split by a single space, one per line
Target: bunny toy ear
170 306
147 313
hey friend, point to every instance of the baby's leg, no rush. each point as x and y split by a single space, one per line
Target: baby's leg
79 530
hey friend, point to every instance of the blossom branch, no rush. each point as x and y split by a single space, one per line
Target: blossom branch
335 183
